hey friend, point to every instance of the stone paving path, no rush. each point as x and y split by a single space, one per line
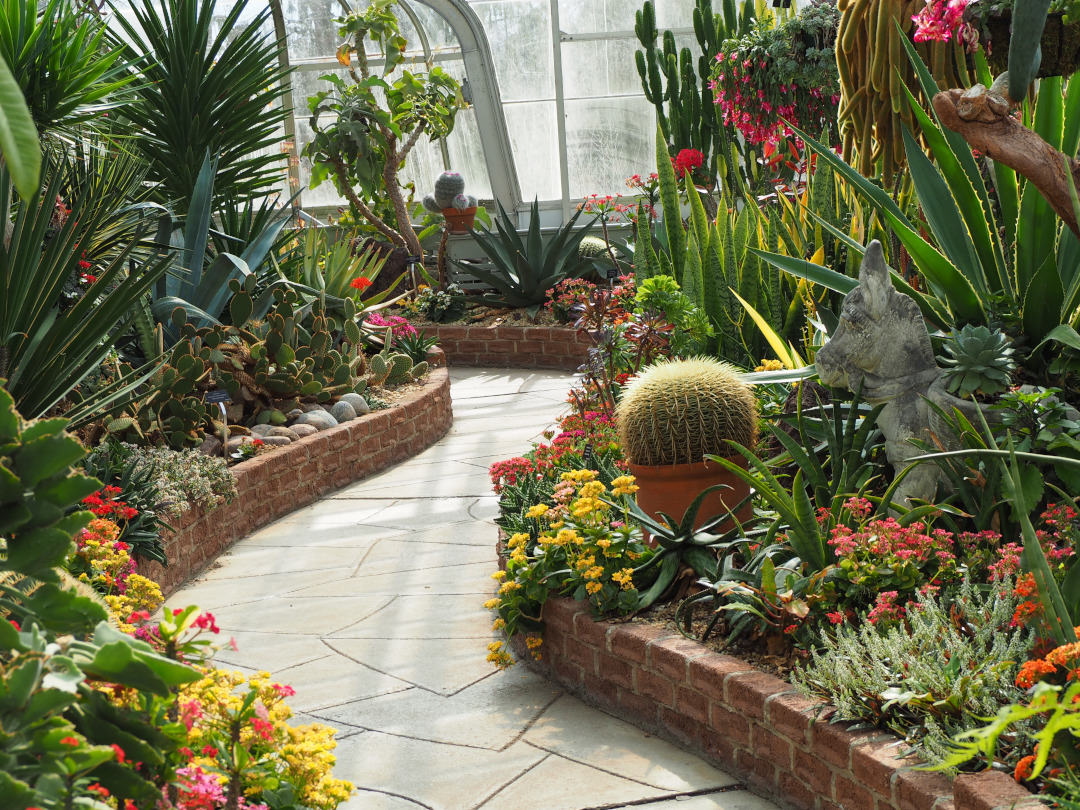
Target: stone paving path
369 604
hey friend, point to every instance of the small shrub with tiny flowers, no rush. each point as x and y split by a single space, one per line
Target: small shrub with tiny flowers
580 546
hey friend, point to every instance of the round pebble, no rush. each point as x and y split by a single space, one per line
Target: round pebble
303 430
358 403
285 432
343 412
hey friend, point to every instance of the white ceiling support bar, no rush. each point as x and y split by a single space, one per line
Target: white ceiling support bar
560 109
484 91
292 152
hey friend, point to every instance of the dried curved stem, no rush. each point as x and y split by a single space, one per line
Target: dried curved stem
346 188
1004 139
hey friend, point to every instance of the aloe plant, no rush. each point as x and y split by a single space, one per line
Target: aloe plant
203 290
525 270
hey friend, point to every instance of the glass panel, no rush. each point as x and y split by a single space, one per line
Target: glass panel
596 16
519 32
310 28
534 141
600 68
607 140
677 13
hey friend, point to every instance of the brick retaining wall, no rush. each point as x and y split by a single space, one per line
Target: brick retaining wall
550 347
275 483
747 721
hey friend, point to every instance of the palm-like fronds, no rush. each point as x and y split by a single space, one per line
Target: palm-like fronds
57 55
219 95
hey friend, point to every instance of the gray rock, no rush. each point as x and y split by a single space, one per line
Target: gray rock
358 403
276 441
303 430
211 446
294 414
320 420
285 432
310 407
343 412
261 430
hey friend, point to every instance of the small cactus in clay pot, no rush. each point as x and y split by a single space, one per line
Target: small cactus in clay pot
452 202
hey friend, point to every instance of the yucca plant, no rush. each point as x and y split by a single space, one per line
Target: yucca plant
58 56
45 352
202 93
525 270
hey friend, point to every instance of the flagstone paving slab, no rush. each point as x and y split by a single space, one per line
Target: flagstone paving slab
571 730
424 616
561 784
369 604
492 713
395 554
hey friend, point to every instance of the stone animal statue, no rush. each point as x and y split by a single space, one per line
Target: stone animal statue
882 345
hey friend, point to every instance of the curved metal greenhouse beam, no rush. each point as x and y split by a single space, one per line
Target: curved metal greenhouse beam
483 94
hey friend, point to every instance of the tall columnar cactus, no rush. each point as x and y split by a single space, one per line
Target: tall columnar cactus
677 411
681 94
449 193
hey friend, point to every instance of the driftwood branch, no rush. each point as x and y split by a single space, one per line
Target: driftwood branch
985 123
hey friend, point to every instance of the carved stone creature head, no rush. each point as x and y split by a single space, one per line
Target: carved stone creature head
881 339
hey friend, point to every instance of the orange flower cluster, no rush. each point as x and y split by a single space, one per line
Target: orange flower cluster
1067 657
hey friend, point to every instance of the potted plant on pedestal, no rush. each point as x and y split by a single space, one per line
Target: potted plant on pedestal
673 415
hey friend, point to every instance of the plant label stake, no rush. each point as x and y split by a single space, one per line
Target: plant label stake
412 260
221 396
587 456
612 274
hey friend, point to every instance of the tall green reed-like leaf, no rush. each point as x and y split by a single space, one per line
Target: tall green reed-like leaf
1028 20
669 199
943 278
646 263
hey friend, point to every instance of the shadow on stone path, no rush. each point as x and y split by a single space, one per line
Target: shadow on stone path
369 604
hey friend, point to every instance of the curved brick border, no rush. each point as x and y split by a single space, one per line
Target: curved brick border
289 477
553 347
747 721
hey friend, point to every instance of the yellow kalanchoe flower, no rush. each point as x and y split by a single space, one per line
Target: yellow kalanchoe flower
491 604
537 511
593 587
625 578
624 485
499 576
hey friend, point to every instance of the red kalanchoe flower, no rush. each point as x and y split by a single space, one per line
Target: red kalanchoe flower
686 161
360 283
70 741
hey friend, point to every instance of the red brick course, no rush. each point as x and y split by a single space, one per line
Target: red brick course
503 346
287 478
749 722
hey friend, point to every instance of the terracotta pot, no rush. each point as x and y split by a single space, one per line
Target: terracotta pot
1060 45
672 488
459 221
